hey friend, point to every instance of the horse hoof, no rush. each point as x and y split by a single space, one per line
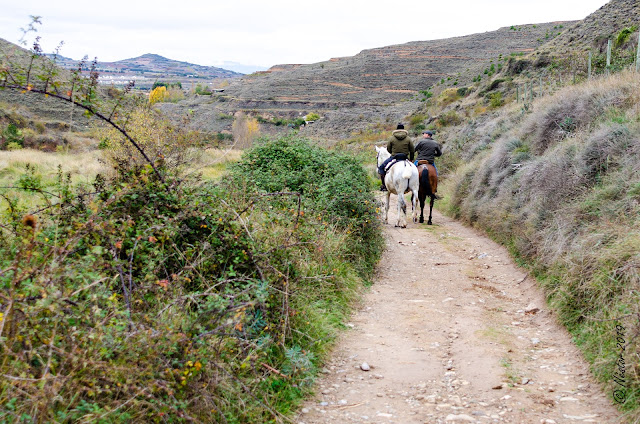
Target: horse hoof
421 220
429 223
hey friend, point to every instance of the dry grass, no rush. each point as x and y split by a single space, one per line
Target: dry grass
82 166
212 163
448 96
561 187
581 107
44 168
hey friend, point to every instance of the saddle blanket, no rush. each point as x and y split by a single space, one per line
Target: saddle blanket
390 164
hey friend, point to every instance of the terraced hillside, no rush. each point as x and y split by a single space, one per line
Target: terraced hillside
389 74
380 85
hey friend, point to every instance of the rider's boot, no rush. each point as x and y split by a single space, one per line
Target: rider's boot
382 186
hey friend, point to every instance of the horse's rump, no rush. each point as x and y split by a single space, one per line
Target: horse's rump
429 179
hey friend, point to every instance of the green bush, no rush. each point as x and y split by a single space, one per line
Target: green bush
417 129
496 100
11 135
333 183
623 36
203 90
449 118
426 94
417 119
312 116
13 146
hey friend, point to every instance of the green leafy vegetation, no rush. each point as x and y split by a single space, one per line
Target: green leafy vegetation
496 100
284 122
312 116
12 137
425 95
203 90
449 118
167 85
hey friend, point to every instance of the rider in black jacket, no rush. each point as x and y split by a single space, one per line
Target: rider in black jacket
428 149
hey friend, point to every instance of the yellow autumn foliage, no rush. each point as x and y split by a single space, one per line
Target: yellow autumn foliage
157 94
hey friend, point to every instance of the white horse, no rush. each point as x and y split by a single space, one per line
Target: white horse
400 179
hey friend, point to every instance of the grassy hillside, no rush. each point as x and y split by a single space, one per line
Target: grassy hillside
559 184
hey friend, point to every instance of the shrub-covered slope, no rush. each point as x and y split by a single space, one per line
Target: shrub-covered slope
185 301
560 185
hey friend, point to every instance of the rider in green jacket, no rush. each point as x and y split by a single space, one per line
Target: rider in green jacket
401 147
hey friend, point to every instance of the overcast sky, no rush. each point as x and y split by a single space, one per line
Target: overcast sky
266 32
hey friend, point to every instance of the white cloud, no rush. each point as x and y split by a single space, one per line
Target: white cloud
268 33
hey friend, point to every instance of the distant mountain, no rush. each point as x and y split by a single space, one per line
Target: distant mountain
243 69
148 68
153 63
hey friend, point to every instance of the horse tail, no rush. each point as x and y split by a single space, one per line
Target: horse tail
424 181
406 172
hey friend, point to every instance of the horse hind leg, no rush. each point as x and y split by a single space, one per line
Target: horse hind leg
433 198
402 212
386 208
414 204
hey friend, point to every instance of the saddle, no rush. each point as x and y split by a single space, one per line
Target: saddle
397 158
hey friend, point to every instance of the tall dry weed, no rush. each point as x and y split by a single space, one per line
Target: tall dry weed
578 107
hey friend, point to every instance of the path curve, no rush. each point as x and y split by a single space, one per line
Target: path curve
453 332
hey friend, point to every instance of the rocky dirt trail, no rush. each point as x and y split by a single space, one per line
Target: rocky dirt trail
452 331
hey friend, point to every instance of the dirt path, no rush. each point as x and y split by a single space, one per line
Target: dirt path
453 331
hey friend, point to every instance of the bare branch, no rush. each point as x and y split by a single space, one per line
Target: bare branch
92 112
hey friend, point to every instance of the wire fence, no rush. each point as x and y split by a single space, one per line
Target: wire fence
581 69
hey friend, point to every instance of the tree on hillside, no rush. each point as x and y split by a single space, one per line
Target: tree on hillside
31 72
245 130
157 94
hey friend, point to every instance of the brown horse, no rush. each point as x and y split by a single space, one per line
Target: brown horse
428 187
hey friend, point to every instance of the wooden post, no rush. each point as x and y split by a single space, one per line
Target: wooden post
608 56
531 92
638 55
589 64
540 86
517 94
